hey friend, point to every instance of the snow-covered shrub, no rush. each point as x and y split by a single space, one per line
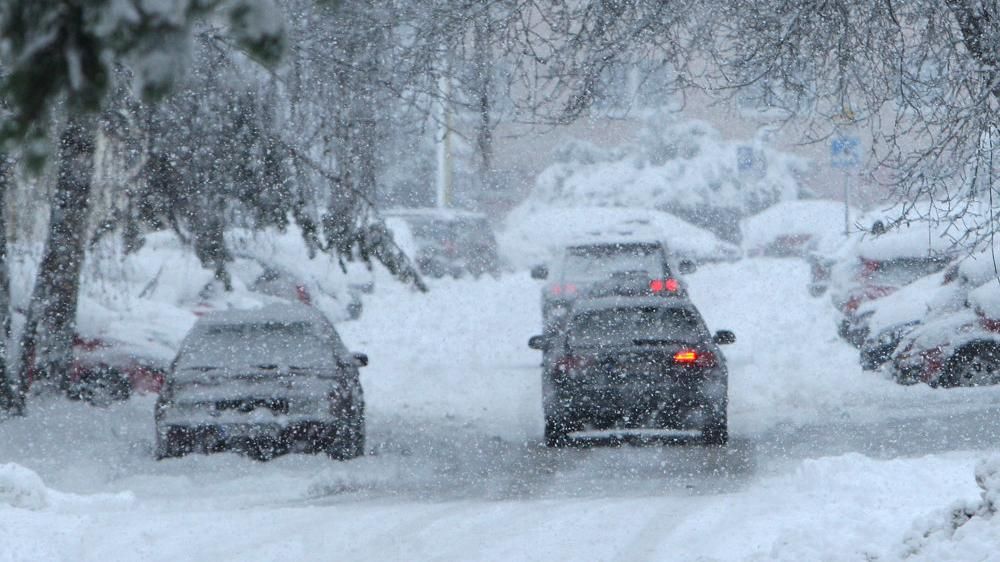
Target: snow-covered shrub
969 528
22 488
684 167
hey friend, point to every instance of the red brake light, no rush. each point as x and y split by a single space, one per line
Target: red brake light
692 357
660 285
686 356
570 363
567 289
302 293
988 323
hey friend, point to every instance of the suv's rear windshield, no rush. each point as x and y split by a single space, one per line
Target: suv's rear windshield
612 326
260 344
592 262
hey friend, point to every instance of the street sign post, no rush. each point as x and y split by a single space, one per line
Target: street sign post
845 154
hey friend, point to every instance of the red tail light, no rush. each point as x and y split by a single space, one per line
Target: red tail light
669 285
568 289
692 357
302 293
852 304
989 324
570 363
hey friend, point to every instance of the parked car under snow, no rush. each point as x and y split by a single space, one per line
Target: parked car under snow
446 242
264 382
958 344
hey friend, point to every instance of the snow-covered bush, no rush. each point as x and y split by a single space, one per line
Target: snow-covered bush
684 167
968 528
22 488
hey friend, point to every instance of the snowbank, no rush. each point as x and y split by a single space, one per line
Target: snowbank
818 223
970 530
22 488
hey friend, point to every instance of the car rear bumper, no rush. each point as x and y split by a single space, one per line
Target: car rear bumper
208 438
673 406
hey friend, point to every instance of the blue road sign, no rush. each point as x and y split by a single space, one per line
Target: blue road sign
845 152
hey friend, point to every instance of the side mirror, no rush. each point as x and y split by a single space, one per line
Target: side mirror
817 289
686 267
724 337
539 272
360 359
538 342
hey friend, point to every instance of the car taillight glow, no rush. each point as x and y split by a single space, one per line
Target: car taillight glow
302 293
696 358
570 363
989 324
669 285
568 289
686 356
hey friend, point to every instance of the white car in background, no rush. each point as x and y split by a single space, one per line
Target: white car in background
795 228
536 235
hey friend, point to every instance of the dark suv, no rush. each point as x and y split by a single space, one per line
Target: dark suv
594 266
634 363
265 382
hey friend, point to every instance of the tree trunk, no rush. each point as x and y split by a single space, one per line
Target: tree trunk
47 342
484 87
8 392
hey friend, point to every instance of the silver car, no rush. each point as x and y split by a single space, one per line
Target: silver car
263 382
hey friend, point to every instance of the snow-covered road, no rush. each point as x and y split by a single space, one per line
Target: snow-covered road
827 462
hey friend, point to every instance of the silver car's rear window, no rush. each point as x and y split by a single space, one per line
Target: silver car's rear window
291 344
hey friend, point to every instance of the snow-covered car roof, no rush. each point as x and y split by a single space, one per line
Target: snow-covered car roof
535 235
821 220
432 213
915 238
986 299
910 303
980 267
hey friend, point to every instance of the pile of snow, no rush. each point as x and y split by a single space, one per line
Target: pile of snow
684 164
925 232
22 488
967 531
536 234
809 225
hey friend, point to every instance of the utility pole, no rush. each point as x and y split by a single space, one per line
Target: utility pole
443 141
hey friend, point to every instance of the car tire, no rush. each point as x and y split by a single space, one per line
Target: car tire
103 390
976 364
172 443
716 432
346 441
557 431
264 449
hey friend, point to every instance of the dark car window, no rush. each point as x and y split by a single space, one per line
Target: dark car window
292 344
612 326
586 263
